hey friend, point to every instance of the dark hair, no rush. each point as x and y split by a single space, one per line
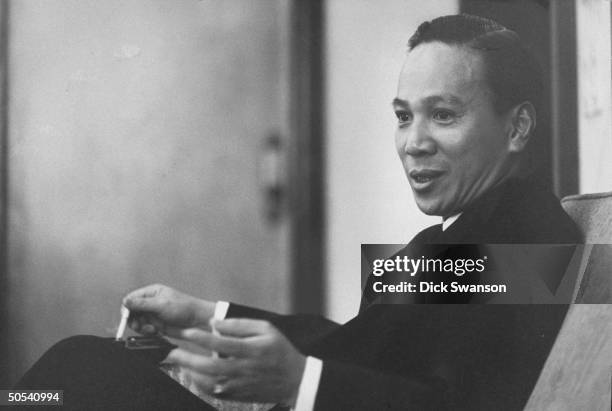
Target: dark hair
513 74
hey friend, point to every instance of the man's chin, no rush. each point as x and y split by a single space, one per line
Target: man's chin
430 207
430 202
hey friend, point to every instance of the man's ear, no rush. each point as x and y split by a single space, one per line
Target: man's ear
523 122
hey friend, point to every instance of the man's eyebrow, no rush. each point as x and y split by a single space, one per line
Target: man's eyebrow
400 103
445 98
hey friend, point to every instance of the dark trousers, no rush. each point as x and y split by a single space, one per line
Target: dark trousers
100 374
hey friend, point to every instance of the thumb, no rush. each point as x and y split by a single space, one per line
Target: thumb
145 304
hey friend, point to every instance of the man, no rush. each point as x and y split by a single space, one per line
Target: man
466 107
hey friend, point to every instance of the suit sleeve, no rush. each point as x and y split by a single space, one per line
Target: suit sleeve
348 387
345 386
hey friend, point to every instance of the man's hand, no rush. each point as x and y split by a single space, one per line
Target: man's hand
157 308
257 363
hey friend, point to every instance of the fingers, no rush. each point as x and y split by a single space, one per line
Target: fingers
224 345
205 382
144 292
146 304
215 376
146 324
256 367
173 332
242 327
143 300
220 387
212 367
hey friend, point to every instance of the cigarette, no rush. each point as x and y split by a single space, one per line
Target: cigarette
125 313
218 315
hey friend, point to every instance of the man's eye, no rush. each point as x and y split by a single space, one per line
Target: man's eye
443 116
403 117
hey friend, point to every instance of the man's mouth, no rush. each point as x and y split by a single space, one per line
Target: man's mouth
422 179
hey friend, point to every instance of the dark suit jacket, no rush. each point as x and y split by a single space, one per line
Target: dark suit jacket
420 357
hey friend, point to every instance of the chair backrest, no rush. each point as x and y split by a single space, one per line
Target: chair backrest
593 214
577 374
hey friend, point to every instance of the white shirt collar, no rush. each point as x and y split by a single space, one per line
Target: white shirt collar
450 220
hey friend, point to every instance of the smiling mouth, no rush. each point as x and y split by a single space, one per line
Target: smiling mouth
422 179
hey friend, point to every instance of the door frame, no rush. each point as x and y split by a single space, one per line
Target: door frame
306 157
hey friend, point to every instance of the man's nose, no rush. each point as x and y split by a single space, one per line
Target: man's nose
417 141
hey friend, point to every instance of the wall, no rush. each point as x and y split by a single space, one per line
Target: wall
594 95
368 197
134 133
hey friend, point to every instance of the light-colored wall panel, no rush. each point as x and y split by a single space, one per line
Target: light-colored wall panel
134 132
368 197
594 95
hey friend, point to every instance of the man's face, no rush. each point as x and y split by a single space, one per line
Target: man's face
452 144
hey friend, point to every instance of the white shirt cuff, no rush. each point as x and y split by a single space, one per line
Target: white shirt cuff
307 393
221 310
